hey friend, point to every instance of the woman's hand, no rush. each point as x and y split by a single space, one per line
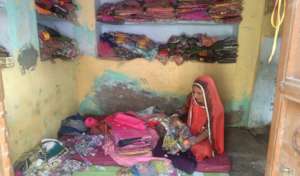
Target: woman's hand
187 144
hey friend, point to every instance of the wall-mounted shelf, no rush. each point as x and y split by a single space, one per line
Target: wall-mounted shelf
52 18
160 31
169 22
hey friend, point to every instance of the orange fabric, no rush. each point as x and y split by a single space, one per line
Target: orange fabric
204 149
42 11
199 121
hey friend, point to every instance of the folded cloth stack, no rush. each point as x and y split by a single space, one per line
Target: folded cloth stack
130 10
192 10
127 46
54 45
61 8
198 47
130 135
226 12
159 10
3 52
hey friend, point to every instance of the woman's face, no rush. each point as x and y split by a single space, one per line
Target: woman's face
197 93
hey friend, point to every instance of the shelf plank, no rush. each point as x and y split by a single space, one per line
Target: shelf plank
171 22
53 18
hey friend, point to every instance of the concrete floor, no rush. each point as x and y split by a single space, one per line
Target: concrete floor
247 150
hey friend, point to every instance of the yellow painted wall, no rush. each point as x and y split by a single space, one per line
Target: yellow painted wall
235 81
36 102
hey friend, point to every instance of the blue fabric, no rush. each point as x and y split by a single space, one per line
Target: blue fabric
67 128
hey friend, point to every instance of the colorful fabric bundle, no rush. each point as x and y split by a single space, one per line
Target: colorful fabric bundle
175 133
198 47
127 46
226 12
192 10
54 45
159 10
130 10
130 135
61 8
154 167
3 52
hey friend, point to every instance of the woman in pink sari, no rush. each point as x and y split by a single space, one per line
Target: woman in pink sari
205 118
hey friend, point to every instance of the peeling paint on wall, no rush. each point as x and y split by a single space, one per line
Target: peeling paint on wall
113 92
28 58
237 111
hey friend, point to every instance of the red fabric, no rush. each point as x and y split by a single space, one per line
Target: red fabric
204 149
220 163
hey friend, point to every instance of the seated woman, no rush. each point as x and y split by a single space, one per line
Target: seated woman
205 118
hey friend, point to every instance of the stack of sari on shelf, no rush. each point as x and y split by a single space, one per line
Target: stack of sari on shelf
221 11
55 45
61 8
159 10
192 10
228 11
198 47
126 46
130 10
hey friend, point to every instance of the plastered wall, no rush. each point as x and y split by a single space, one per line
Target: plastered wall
37 95
235 81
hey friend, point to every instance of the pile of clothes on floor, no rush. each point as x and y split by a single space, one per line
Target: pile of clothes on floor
144 143
65 9
198 47
3 52
55 45
221 11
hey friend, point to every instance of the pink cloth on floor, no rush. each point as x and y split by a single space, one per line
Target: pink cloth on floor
220 163
99 159
126 120
127 161
121 128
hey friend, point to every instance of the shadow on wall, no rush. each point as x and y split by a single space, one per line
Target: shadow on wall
115 92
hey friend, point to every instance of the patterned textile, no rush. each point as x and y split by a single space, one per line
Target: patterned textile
61 8
200 47
175 133
228 11
129 46
54 45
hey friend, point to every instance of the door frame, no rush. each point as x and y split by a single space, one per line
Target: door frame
6 168
287 89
